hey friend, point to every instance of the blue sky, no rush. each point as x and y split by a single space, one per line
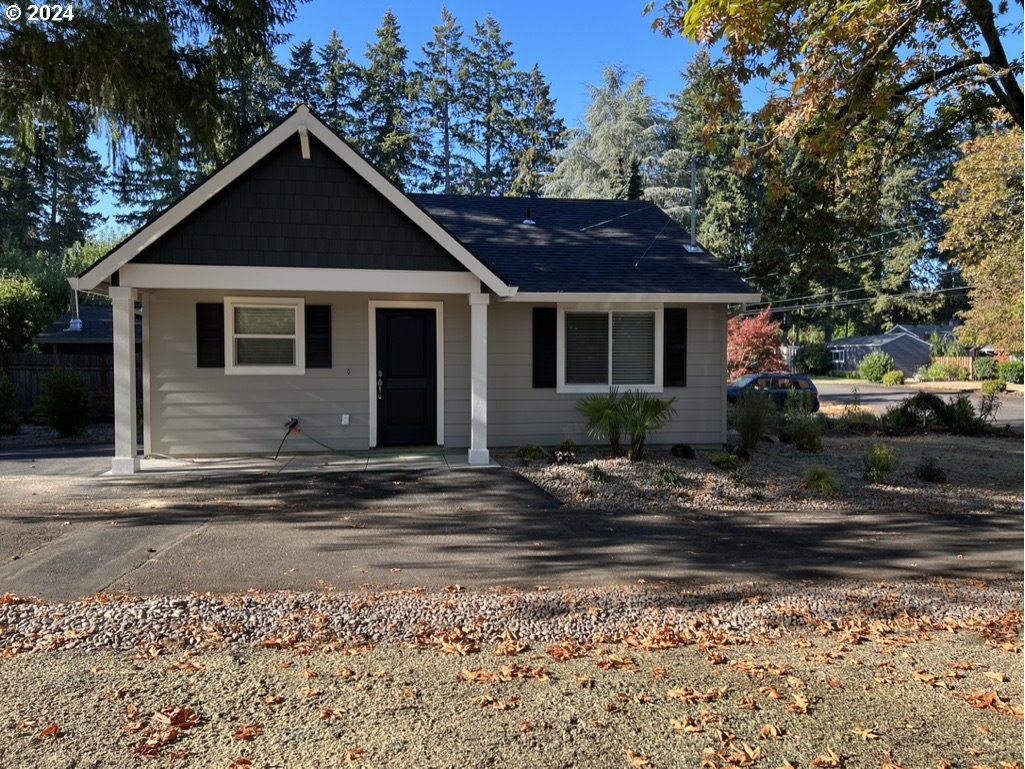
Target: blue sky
570 40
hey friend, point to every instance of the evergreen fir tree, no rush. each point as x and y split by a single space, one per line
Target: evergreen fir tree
612 156
440 111
304 80
384 105
340 82
494 98
541 136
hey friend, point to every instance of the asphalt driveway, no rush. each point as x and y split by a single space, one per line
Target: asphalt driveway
68 532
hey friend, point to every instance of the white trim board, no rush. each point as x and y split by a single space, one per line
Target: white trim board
566 296
199 277
299 121
439 340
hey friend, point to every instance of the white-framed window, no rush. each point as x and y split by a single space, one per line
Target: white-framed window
838 356
264 335
599 347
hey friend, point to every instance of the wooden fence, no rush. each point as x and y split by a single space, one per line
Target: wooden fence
28 369
957 361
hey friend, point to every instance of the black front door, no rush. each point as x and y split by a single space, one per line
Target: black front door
407 403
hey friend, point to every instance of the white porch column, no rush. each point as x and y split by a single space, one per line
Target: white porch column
126 459
479 380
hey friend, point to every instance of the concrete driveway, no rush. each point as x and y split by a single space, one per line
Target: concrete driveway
68 532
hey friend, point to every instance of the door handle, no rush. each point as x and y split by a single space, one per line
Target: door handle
380 384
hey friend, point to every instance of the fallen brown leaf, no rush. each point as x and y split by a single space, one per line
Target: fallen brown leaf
248 731
638 760
827 760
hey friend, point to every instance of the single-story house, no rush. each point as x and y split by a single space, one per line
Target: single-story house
926 331
909 351
298 282
92 335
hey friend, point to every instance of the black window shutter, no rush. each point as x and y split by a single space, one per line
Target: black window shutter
210 335
674 370
318 336
544 346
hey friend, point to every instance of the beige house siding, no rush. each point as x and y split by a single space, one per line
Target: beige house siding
202 411
519 414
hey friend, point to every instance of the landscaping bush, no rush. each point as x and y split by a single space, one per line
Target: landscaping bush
604 415
754 415
22 311
961 417
927 470
821 480
880 463
803 430
994 386
815 359
874 366
985 368
1013 371
8 405
942 372
925 409
643 413
64 401
726 461
530 452
565 452
597 474
666 475
893 378
898 419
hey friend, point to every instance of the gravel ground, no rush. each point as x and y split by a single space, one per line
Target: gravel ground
917 673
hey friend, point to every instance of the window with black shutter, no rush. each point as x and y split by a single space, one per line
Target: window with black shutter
545 321
318 336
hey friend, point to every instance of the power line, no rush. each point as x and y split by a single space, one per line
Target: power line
852 302
826 292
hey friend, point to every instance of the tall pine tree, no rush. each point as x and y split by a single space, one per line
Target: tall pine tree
541 135
304 80
340 80
384 106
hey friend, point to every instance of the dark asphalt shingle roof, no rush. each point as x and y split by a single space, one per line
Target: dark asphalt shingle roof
97 327
581 246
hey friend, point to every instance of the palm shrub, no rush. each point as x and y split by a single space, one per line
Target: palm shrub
754 415
874 366
64 401
604 415
643 413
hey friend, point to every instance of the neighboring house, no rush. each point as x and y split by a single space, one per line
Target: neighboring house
909 352
944 331
93 336
298 282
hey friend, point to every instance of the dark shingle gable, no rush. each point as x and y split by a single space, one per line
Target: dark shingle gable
581 246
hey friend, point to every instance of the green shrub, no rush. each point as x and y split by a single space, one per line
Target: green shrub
803 430
942 372
985 368
898 419
643 413
665 474
754 415
22 311
565 452
927 470
604 415
813 359
926 409
960 416
880 463
994 386
598 474
726 462
821 480
857 420
531 452
989 405
893 378
64 401
1012 371
8 405
874 366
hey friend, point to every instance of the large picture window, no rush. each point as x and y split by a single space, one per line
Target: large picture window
262 335
610 348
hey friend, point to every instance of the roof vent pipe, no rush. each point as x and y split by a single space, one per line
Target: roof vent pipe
528 220
75 324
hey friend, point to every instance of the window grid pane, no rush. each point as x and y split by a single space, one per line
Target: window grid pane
633 348
276 321
264 351
587 348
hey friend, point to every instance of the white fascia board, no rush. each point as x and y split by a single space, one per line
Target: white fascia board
416 214
565 296
301 120
155 276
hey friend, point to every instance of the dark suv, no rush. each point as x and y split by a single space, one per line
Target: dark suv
777 386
